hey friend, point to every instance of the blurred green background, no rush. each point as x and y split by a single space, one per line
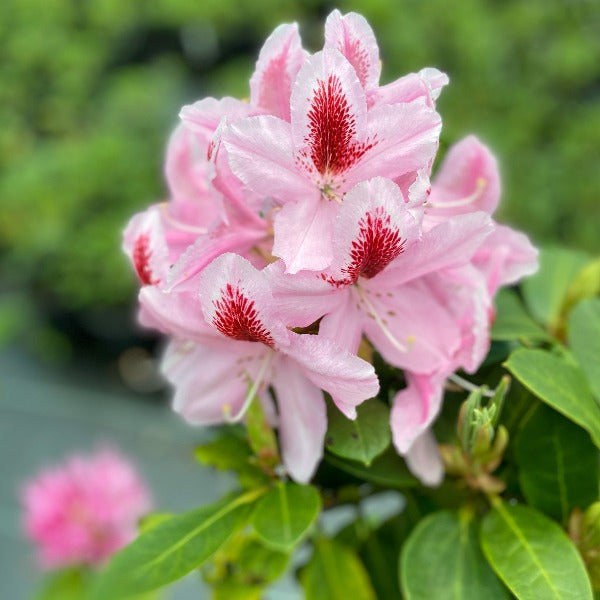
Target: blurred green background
91 88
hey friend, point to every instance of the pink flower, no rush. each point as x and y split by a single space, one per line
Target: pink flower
332 143
233 341
352 35
377 284
84 510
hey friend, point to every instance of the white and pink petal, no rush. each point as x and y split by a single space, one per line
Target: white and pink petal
348 379
145 244
236 300
302 420
279 61
467 181
352 35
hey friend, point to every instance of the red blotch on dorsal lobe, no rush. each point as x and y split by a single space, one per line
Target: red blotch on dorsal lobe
237 317
332 129
357 56
378 243
141 260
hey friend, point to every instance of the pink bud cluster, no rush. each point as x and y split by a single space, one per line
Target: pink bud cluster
84 510
304 221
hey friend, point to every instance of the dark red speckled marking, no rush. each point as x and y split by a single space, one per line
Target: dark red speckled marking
141 260
378 243
332 130
238 318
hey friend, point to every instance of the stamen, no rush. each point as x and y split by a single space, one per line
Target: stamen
229 418
480 185
388 334
179 224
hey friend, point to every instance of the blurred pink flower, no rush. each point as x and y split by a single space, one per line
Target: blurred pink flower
83 510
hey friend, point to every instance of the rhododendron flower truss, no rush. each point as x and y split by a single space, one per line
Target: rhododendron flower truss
244 348
311 206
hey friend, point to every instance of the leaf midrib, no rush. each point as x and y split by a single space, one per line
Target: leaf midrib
530 551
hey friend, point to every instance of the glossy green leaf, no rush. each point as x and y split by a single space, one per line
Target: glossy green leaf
69 584
533 555
173 548
387 470
243 567
335 572
558 464
286 514
559 384
442 559
584 339
363 438
231 452
545 291
512 321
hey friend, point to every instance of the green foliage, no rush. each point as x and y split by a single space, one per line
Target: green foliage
69 584
387 470
512 321
558 464
286 514
459 570
584 339
243 567
173 548
335 572
362 439
533 555
229 451
560 384
545 291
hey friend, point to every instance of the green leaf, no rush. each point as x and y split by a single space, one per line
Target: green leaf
586 284
335 572
533 555
559 384
558 466
231 452
545 291
69 584
173 548
242 568
584 339
286 514
512 321
151 520
387 470
442 559
362 439
379 552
